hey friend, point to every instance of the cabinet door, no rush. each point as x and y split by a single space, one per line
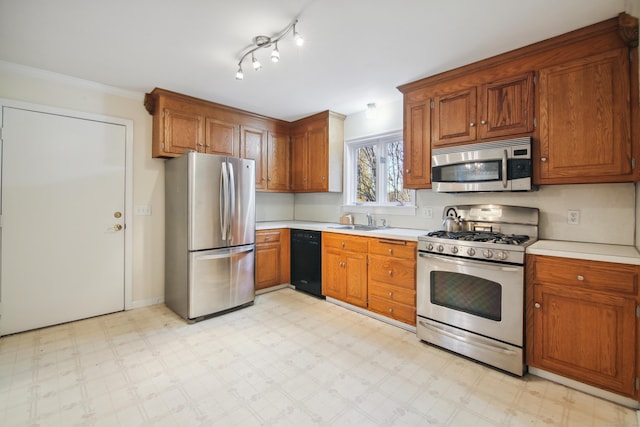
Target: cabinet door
584 120
317 159
454 118
585 336
333 274
221 137
299 161
182 131
355 272
278 176
417 145
507 107
267 265
254 146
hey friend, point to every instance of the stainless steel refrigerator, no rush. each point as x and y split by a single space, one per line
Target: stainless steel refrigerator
209 234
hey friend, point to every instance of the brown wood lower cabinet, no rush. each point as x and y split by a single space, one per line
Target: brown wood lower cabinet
377 274
581 321
272 257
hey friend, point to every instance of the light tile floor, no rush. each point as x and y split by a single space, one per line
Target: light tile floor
288 360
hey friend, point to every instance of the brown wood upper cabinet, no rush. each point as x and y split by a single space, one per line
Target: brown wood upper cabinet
494 109
317 144
271 152
417 143
585 101
585 133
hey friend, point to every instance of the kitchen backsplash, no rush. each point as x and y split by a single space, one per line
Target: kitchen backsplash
607 211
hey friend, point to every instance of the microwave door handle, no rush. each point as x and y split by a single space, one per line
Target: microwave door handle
504 169
468 262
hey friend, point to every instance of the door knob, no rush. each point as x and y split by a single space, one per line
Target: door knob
536 305
117 227
117 214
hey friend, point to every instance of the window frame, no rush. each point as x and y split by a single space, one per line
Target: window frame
350 173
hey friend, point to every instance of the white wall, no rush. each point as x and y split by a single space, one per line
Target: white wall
39 87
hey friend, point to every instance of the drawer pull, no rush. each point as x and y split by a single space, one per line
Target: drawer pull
391 251
580 277
390 272
390 294
536 305
342 244
391 310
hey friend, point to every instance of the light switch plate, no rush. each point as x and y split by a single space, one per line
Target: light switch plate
144 210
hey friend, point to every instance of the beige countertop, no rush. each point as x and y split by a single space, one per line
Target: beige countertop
589 251
388 233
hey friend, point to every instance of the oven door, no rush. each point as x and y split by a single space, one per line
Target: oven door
480 297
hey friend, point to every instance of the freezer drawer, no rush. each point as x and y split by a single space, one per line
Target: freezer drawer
220 279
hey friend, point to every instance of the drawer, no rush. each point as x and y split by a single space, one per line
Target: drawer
394 248
392 293
595 275
394 271
394 310
345 242
267 236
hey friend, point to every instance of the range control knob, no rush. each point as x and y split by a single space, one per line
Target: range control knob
488 253
440 248
430 247
471 252
454 250
502 255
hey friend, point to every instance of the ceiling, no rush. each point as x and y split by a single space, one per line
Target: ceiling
355 51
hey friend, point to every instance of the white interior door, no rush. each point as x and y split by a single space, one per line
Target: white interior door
63 199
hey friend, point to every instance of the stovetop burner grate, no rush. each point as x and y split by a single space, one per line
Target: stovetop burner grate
481 236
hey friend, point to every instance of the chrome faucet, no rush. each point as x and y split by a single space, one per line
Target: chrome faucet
369 219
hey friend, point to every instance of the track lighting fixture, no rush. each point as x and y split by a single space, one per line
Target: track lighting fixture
260 42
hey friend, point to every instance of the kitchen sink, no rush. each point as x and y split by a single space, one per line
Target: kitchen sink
360 227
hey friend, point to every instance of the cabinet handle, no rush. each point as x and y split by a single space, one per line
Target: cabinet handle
483 122
536 305
324 177
407 171
208 145
390 294
342 244
263 179
543 159
472 124
390 272
391 251
391 310
580 277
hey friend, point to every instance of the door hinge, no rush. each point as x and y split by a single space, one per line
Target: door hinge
368 260
535 80
630 55
638 311
633 163
637 384
0 134
535 122
433 105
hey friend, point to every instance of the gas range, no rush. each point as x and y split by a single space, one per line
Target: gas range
495 233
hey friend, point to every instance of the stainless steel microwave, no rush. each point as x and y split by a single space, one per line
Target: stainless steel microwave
489 166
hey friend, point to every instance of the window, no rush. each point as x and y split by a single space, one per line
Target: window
373 172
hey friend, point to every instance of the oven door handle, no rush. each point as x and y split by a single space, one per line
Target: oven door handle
468 340
467 262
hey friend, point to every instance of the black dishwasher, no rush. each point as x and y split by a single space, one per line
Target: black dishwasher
306 261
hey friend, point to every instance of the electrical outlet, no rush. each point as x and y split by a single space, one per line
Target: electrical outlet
428 212
573 217
144 210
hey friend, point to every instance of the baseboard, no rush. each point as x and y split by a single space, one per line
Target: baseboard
145 303
612 397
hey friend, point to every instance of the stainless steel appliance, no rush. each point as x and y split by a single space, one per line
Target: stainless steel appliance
209 234
490 166
306 261
470 284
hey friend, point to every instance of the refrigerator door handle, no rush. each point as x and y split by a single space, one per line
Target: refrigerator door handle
226 254
232 196
224 201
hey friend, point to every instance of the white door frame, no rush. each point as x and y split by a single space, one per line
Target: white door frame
128 199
